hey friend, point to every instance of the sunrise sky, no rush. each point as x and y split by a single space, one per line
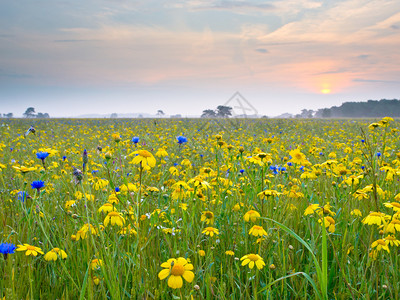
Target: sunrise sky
70 58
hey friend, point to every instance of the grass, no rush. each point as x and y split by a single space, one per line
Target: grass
222 169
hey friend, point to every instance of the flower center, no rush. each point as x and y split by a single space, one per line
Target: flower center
32 248
252 257
177 270
144 153
209 215
113 214
381 242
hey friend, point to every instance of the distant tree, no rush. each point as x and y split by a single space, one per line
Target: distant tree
114 116
208 113
326 113
224 111
178 116
160 113
29 113
42 115
306 114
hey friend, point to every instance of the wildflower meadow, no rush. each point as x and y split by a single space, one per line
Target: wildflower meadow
199 209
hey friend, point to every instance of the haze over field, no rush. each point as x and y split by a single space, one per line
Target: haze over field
70 58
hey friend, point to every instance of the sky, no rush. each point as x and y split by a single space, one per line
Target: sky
70 58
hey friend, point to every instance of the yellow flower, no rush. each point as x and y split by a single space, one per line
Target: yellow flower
208 217
297 157
96 263
375 218
311 209
176 269
144 158
81 234
202 253
69 203
230 252
161 152
96 280
372 126
257 231
394 205
380 244
24 169
356 212
329 223
100 184
54 253
126 188
268 193
253 259
107 207
127 230
210 231
393 226
391 240
116 137
251 215
30 250
115 218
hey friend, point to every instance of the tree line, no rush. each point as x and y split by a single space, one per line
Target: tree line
29 113
369 109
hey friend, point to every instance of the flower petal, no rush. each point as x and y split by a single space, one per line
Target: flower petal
188 276
175 282
163 274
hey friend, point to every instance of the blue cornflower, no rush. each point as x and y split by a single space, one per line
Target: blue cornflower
289 164
22 196
117 189
378 154
135 140
37 184
362 141
42 155
363 167
273 169
181 140
64 158
175 164
241 171
6 248
321 153
301 168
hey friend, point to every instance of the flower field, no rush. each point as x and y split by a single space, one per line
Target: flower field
199 209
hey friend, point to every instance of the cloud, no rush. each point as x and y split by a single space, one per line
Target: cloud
375 81
74 41
13 75
262 50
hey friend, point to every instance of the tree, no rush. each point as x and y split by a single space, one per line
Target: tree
224 111
42 115
114 116
29 113
160 113
208 113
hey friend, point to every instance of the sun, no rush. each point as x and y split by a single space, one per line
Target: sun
326 91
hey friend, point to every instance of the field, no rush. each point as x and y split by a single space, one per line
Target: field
199 209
